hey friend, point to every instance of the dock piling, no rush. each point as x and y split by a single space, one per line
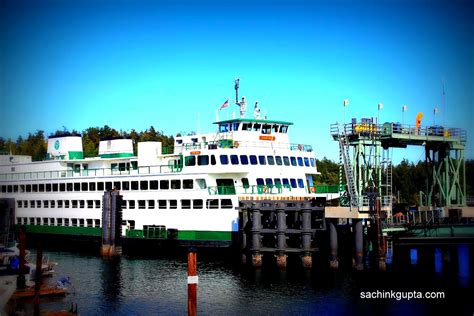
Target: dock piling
333 245
192 282
359 244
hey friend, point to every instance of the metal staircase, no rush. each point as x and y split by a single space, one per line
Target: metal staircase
344 156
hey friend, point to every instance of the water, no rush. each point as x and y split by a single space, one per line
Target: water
157 286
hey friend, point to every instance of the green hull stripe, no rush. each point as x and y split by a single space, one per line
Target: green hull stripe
62 230
76 155
204 235
119 155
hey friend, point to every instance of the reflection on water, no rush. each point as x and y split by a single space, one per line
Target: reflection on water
149 286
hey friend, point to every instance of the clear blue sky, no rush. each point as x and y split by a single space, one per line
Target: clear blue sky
132 64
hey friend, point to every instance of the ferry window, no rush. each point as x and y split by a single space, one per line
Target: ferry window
154 185
226 203
124 204
269 181
125 185
90 186
266 129
38 203
271 160
306 161
66 204
141 204
77 186
262 160
311 160
74 203
188 184
246 126
293 161
9 189
197 204
134 165
46 221
234 159
52 203
66 222
97 203
253 159
164 184
151 203
161 204
117 185
213 160
300 183
15 188
277 182
190 161
4 188
28 188
100 186
108 185
97 222
224 160
51 221
62 187
143 185
260 181
245 183
90 204
179 141
55 187
223 128
278 160
60 221
81 203
256 127
284 129
74 222
244 159
300 161
60 203
134 185
84 186
286 161
22 188
34 186
69 186
81 222
173 204
89 222
175 184
293 183
211 204
32 220
114 166
275 128
131 204
185 204
40 187
235 126
201 183
203 160
20 203
285 182
123 166
48 187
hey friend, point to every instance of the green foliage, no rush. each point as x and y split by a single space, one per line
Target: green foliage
329 172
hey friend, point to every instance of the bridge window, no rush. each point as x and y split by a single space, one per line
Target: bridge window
234 159
261 160
284 129
244 159
313 164
190 161
271 160
278 160
226 203
300 161
197 204
235 126
293 183
224 159
286 160
266 129
300 183
203 160
256 127
223 128
306 161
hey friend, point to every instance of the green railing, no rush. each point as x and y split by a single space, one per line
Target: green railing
333 188
229 143
249 189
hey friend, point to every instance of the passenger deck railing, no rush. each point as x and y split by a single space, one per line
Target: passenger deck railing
228 143
249 189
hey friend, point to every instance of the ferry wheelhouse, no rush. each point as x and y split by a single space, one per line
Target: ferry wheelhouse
192 190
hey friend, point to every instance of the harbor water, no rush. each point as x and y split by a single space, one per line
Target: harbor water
156 285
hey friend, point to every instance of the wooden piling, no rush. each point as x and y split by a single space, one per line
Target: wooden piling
192 283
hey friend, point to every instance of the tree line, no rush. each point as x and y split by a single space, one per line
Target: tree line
407 178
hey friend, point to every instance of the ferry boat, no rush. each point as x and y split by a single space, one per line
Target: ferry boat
191 191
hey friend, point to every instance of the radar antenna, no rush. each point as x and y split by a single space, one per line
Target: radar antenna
236 87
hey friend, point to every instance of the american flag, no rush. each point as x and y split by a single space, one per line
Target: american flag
224 105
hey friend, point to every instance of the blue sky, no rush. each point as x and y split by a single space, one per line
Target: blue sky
171 64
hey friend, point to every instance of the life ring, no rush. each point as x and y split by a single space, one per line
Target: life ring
236 144
312 189
300 147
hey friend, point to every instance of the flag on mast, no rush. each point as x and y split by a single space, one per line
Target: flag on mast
224 105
